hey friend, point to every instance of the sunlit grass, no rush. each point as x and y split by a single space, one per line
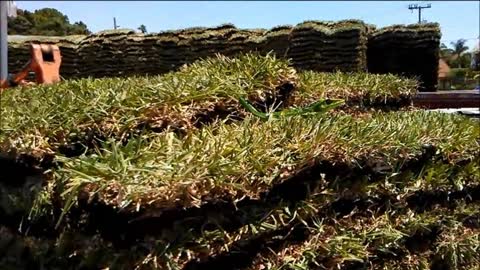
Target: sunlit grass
250 156
41 118
246 158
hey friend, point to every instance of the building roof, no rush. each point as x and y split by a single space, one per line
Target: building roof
443 69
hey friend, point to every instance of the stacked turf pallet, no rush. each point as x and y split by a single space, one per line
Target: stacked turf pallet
174 174
176 100
312 45
276 40
180 100
123 52
409 50
174 49
325 46
243 41
129 53
225 39
104 54
170 49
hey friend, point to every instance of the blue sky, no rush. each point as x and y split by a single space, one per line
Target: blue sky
458 19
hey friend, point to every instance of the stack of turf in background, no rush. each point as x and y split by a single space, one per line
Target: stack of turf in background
143 56
176 48
349 45
105 53
411 50
170 50
70 60
241 41
328 47
276 40
206 42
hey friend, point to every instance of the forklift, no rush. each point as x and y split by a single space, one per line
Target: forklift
44 63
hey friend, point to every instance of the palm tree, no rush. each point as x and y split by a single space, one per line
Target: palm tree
142 28
445 52
458 49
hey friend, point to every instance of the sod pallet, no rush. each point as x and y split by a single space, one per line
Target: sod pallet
382 198
103 54
80 112
408 50
228 170
416 220
327 46
127 53
276 40
341 242
380 229
226 40
332 190
311 45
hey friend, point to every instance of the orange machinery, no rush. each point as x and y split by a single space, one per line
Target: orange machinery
45 63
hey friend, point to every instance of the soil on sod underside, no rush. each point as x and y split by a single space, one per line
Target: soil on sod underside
127 229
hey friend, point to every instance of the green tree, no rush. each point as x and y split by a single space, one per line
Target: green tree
459 58
459 46
44 22
445 52
142 29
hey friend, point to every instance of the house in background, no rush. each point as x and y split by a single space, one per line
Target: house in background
444 80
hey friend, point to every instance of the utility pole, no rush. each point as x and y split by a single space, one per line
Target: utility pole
3 41
115 26
415 6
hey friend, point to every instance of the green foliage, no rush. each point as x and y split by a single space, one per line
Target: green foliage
462 61
458 72
73 107
457 56
445 52
476 60
142 28
463 78
459 46
44 22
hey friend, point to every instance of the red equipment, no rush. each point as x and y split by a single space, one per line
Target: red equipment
45 63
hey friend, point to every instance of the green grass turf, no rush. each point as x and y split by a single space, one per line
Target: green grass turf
40 119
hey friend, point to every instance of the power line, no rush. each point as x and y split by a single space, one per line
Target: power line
415 6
